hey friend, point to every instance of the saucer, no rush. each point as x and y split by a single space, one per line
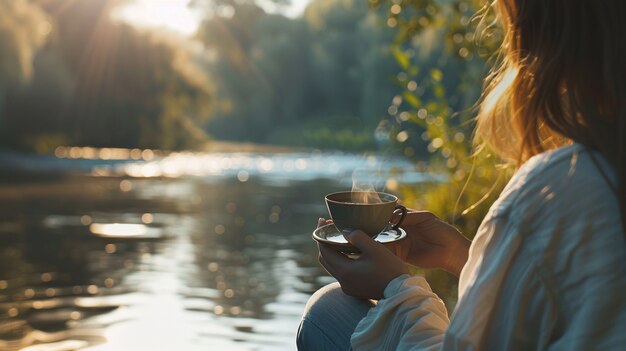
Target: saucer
329 234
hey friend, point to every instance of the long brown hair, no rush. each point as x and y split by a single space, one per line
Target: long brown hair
561 79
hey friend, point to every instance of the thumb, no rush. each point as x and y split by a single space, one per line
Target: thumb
361 241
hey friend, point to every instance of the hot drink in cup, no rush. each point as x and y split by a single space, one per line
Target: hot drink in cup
369 211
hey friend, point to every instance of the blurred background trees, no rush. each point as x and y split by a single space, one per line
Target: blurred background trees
444 50
22 32
321 80
399 75
89 80
73 74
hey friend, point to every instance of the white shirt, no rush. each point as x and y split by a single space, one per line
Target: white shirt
546 271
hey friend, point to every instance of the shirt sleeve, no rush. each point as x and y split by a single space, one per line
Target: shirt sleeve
545 272
409 317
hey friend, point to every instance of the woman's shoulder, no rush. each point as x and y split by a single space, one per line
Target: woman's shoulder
565 199
571 176
564 180
573 162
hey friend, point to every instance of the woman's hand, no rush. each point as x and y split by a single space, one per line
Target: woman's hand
366 276
432 243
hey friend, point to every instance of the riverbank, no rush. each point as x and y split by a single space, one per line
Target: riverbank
228 146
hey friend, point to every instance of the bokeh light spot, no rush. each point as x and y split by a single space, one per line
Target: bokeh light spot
213 267
147 218
402 136
392 110
437 143
412 85
135 154
451 163
110 248
85 220
266 165
92 289
13 312
126 185
147 155
459 137
392 184
243 176
422 113
46 277
220 229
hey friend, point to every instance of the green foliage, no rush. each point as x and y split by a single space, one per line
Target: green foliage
443 64
336 132
273 73
23 29
102 83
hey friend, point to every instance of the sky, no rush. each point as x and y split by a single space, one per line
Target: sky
176 16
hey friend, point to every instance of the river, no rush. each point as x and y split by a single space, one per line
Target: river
182 251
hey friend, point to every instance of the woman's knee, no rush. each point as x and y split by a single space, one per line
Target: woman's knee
323 299
330 318
313 338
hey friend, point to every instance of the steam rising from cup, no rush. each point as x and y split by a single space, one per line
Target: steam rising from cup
363 191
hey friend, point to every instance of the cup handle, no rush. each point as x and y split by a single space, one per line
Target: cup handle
402 215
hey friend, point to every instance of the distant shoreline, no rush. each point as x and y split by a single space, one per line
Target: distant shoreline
233 146
217 146
16 164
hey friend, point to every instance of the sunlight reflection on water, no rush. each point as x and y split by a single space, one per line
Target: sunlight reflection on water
184 251
288 167
278 167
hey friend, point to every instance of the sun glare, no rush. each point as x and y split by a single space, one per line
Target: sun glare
179 17
173 15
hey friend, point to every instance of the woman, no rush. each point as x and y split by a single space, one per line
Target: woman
547 267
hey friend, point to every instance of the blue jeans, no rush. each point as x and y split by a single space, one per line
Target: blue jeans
329 319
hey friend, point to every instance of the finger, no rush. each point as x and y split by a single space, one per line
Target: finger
398 249
417 217
327 266
363 242
322 222
333 258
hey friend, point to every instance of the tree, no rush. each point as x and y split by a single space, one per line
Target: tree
439 94
259 67
23 29
320 80
103 83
